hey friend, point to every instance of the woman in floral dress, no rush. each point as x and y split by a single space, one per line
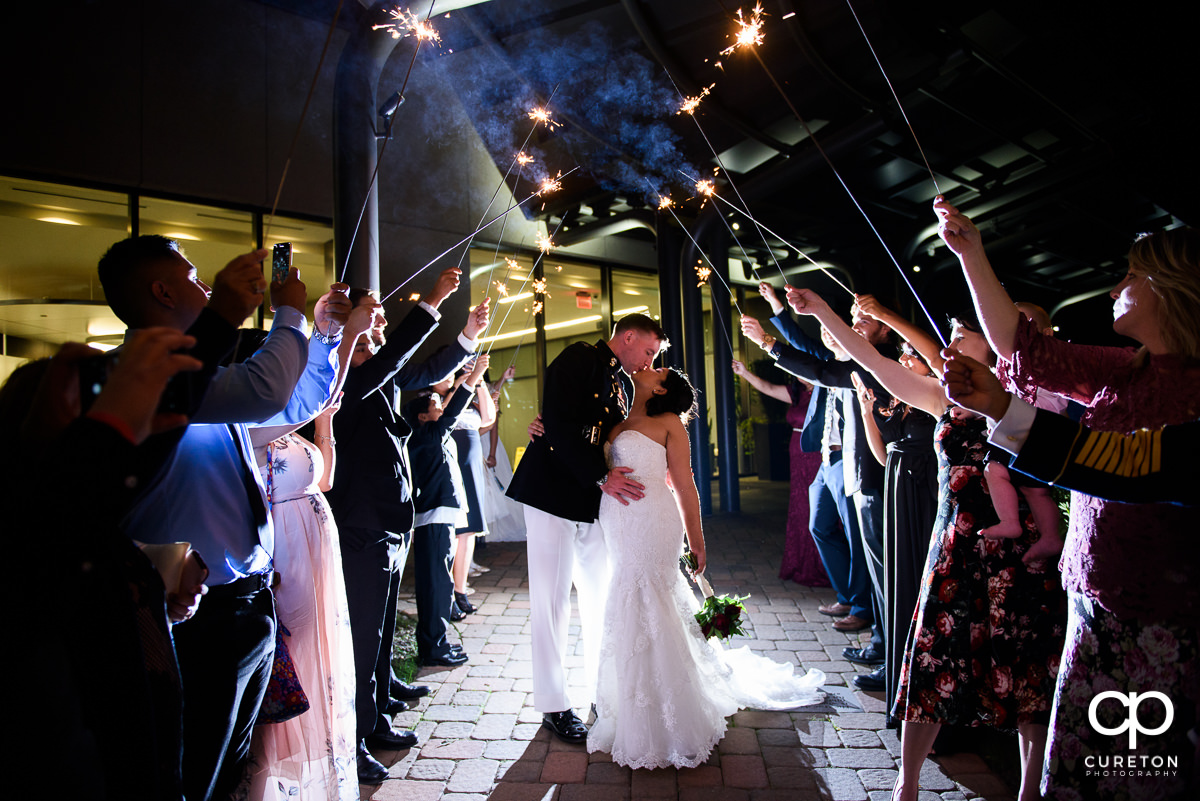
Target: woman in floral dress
1132 571
984 644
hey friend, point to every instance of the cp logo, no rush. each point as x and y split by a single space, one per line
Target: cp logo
1132 701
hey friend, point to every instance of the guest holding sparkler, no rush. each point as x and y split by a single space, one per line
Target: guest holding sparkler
561 480
984 644
801 560
372 503
1131 570
858 551
901 438
313 754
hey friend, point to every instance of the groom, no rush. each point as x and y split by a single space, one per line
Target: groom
559 480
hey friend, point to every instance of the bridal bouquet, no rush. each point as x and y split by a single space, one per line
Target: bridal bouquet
721 615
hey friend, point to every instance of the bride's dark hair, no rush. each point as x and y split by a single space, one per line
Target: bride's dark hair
679 398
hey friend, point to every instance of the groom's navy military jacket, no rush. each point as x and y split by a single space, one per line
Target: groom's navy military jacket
585 396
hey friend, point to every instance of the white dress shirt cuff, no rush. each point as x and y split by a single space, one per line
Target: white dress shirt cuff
1013 428
437 315
469 345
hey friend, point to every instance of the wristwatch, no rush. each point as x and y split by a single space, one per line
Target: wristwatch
767 343
326 340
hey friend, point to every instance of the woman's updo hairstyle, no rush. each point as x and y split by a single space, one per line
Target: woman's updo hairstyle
679 398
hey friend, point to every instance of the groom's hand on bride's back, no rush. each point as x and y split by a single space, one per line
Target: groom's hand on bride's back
619 485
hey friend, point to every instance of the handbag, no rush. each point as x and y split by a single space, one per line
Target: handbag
285 698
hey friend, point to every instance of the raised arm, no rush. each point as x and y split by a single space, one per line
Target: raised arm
920 391
679 467
997 314
866 406
914 335
777 391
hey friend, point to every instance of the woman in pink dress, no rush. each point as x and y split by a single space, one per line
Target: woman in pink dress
801 561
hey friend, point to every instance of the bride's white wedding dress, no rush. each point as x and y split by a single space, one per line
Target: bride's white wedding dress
664 691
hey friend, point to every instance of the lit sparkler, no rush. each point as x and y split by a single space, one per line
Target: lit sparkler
408 24
665 202
537 307
543 242
523 158
501 289
691 103
702 274
539 286
542 115
749 30
415 296
705 187
551 185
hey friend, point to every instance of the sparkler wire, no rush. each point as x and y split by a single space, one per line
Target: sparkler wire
799 252
729 178
713 271
379 158
850 194
300 124
540 257
464 240
899 105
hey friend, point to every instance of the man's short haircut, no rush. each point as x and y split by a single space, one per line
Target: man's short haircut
416 407
125 265
357 293
642 323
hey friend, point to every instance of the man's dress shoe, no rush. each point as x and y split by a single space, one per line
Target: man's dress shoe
405 691
851 623
370 770
451 659
566 726
395 706
391 740
834 609
872 682
863 656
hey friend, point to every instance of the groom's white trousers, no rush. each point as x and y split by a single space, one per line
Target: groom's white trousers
562 552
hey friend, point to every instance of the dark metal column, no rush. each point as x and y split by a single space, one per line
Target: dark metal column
669 302
723 406
693 340
355 154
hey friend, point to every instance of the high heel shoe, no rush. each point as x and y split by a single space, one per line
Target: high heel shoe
463 603
457 615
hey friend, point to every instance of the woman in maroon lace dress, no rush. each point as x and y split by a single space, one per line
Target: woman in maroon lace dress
801 561
1132 571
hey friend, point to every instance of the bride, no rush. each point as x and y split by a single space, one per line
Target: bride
664 691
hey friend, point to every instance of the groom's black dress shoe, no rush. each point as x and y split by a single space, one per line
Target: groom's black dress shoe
863 656
872 682
370 770
566 726
407 692
392 740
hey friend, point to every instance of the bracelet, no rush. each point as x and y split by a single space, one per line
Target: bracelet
330 440
326 340
602 481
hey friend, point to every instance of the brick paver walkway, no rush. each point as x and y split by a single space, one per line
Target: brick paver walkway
481 739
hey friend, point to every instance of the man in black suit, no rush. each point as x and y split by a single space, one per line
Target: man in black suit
372 498
559 479
862 474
